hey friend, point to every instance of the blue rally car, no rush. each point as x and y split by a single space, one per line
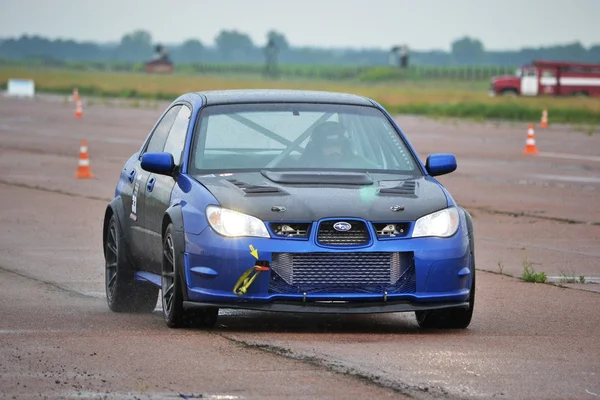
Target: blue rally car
289 201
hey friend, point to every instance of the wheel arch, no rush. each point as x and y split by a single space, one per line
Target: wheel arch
470 232
174 215
115 207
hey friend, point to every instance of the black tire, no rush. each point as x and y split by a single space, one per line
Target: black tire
453 318
123 292
203 317
509 92
174 314
450 318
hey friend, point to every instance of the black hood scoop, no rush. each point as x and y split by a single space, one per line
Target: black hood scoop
406 189
250 189
319 178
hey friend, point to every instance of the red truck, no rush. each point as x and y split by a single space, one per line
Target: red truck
553 78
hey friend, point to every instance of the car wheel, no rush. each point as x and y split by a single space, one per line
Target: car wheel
509 93
172 291
451 318
175 315
123 292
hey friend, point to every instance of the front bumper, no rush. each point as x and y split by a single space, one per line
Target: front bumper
213 264
350 307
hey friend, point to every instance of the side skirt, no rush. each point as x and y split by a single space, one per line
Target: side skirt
148 277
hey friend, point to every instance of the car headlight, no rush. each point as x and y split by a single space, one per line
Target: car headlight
235 224
442 223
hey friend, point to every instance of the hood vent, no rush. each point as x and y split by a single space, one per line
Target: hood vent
406 188
255 189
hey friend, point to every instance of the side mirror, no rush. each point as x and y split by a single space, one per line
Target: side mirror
159 163
440 164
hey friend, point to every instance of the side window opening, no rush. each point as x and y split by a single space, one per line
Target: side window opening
159 136
176 140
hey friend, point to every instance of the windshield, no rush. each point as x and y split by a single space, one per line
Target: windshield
248 137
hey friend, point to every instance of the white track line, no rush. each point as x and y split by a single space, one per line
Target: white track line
570 156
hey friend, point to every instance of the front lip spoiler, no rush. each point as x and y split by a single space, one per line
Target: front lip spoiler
333 307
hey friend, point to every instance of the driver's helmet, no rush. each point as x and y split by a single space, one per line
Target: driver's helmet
328 137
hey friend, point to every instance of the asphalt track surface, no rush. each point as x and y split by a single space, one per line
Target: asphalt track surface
59 340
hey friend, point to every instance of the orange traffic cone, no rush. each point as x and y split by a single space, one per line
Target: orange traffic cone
78 109
530 147
75 95
83 169
544 121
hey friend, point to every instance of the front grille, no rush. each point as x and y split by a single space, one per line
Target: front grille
342 273
357 235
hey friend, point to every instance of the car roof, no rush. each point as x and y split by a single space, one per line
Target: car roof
214 97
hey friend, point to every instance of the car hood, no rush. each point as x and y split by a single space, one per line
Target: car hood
312 196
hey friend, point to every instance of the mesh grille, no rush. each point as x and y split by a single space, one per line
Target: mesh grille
342 272
357 235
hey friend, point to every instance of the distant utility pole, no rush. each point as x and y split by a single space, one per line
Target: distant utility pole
271 51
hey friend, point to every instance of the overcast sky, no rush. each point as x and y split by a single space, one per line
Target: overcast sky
422 24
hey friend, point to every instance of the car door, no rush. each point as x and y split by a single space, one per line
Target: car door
138 233
158 190
529 82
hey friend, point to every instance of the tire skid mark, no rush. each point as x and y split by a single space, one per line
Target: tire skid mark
405 389
34 151
57 191
44 282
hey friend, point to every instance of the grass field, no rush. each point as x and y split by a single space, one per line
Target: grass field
433 98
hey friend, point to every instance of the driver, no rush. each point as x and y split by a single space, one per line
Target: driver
328 146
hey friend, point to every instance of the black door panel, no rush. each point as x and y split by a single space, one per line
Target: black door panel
142 236
158 192
135 214
157 200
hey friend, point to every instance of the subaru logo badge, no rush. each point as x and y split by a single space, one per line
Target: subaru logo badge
342 226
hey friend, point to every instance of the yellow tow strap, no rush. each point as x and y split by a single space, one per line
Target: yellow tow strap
242 285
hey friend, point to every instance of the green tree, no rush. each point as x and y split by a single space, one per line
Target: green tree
233 44
279 39
468 51
190 51
135 46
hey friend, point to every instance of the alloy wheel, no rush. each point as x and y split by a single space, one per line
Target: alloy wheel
168 275
112 252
